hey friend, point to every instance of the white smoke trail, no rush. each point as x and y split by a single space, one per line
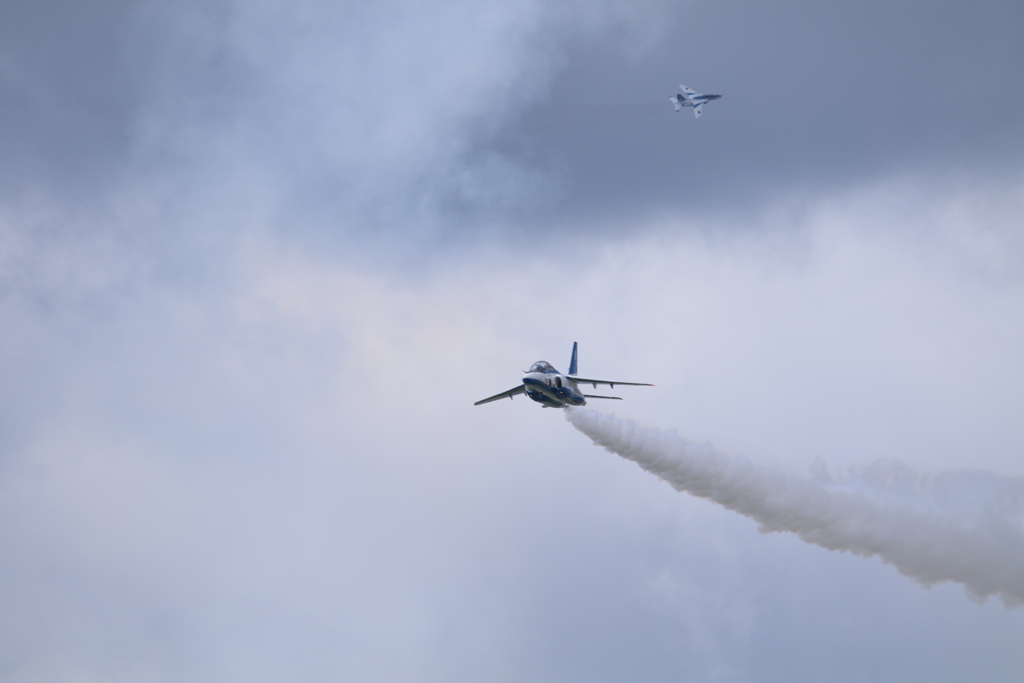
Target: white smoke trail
963 526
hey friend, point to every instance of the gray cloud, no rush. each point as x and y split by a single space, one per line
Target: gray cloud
477 121
815 98
67 96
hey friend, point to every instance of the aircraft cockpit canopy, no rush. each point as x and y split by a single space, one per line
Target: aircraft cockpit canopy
542 366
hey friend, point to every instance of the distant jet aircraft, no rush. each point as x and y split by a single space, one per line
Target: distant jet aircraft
552 389
689 98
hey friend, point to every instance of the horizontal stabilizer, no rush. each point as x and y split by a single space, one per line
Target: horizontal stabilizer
616 398
675 103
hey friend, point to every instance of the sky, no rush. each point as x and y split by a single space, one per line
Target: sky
258 259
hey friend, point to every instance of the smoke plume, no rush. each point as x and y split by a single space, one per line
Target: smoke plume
964 526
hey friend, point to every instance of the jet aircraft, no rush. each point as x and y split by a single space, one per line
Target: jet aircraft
552 389
689 98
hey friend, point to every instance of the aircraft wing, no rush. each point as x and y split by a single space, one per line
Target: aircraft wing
505 394
697 111
611 383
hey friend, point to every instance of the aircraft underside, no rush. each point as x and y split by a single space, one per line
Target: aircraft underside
552 397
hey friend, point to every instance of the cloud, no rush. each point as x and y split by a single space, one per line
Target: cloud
814 99
67 97
239 358
359 121
281 463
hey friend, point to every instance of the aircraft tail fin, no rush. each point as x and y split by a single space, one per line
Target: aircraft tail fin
675 103
572 363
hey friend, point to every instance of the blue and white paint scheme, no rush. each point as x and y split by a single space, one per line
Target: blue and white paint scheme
552 389
689 98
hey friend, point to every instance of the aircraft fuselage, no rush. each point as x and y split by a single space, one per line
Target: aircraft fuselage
692 99
553 389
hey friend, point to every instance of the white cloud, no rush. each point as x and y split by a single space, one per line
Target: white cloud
280 466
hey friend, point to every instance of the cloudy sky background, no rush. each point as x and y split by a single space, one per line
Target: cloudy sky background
257 260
